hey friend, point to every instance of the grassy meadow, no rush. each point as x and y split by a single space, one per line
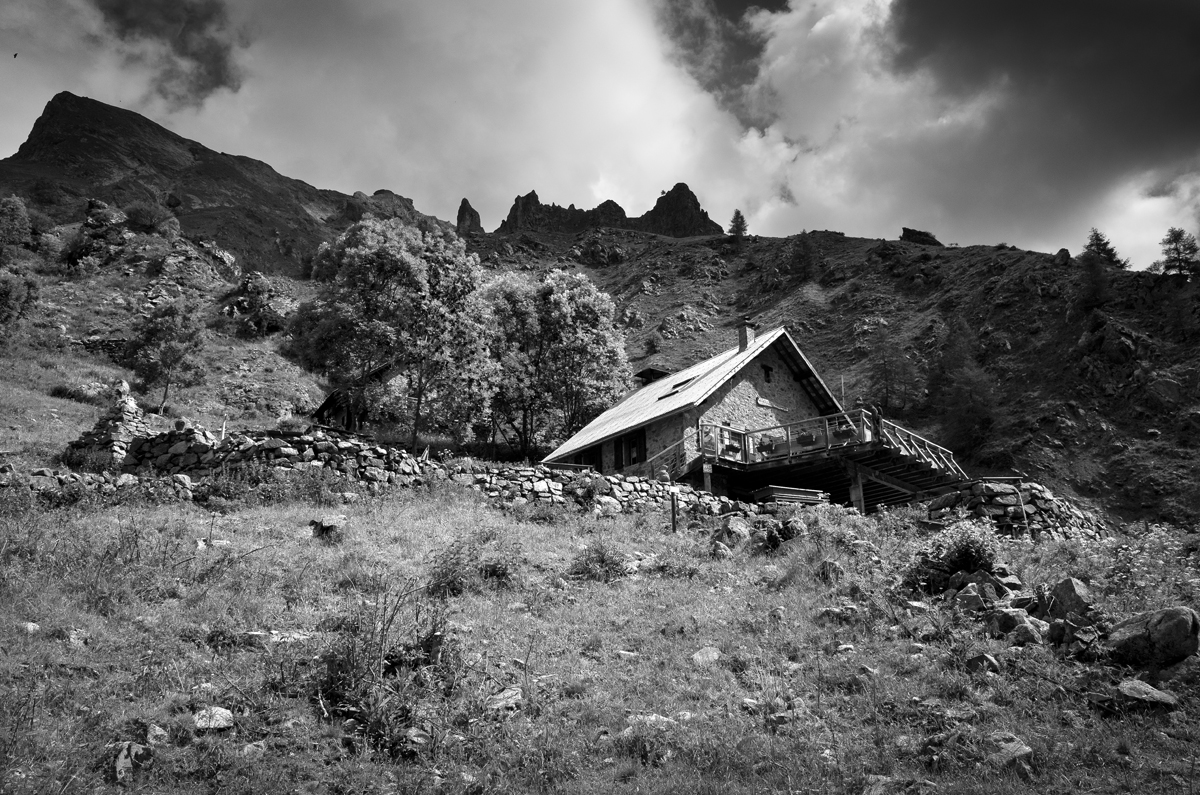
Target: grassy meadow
443 645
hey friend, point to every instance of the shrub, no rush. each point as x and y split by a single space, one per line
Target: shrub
18 294
479 560
76 248
600 560
145 216
389 657
966 545
14 222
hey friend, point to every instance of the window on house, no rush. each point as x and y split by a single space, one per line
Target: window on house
589 457
767 371
631 448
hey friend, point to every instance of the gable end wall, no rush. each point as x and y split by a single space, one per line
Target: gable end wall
736 402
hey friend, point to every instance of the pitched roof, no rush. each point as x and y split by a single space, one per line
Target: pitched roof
691 387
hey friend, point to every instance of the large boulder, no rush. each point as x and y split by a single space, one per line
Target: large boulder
1156 639
1071 596
733 532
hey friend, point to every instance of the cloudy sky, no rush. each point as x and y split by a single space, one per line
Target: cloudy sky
1025 122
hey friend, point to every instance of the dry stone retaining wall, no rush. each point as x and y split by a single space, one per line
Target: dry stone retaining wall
1019 509
123 438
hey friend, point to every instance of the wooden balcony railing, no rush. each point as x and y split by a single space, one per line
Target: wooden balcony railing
673 460
833 432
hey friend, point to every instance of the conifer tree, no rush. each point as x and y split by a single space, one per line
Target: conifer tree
737 225
1098 244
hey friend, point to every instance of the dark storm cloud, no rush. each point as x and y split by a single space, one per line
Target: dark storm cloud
711 41
1083 84
190 44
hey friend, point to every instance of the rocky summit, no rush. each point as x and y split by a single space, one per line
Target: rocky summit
677 213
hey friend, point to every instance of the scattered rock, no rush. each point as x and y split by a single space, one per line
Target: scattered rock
29 627
253 751
1007 750
983 663
706 656
1071 596
830 572
970 599
329 528
733 532
1156 639
1026 635
156 735
130 758
518 607
1137 692
652 721
507 700
213 719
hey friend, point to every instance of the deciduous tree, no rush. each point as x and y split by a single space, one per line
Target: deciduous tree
561 359
401 303
14 222
165 349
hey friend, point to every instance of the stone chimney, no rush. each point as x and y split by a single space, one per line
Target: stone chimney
745 333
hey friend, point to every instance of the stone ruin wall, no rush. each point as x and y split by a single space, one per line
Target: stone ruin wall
123 440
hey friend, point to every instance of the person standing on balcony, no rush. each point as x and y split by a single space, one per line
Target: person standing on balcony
876 421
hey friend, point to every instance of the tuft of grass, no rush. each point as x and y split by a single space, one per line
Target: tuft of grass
600 560
478 560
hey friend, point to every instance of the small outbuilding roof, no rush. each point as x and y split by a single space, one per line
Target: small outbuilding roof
689 388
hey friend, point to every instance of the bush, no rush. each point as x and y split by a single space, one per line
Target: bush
75 248
600 560
14 222
477 561
966 545
144 216
389 657
18 295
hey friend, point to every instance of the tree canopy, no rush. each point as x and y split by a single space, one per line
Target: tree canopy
165 349
401 303
737 225
561 359
1179 250
1098 246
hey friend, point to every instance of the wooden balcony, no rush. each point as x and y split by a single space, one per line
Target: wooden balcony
852 455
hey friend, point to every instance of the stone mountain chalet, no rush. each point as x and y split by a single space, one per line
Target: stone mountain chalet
756 422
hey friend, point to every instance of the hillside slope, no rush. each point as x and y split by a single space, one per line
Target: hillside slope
1100 400
82 149
1098 396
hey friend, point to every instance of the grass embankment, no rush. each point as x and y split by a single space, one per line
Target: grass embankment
443 645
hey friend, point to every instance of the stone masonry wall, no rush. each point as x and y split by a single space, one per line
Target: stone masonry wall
1019 509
